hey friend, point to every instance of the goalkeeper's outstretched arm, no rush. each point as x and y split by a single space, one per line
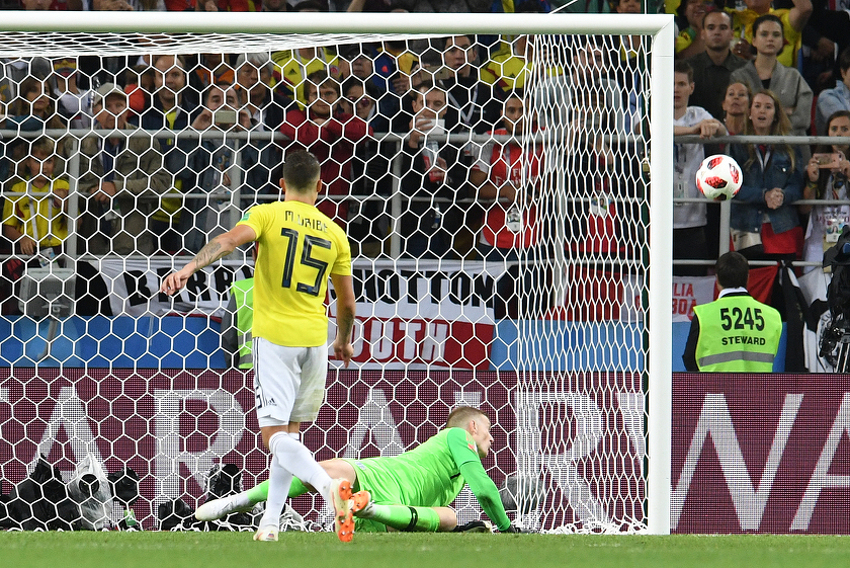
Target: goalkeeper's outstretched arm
487 494
469 463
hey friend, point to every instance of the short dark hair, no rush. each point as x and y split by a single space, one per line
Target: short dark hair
715 10
684 67
767 18
447 39
320 77
460 416
422 89
515 93
733 270
301 171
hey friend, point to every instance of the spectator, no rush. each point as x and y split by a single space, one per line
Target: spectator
329 136
713 67
37 224
826 178
736 107
833 100
123 177
691 39
791 21
265 107
266 110
627 72
689 219
359 99
593 110
139 84
509 71
33 109
507 174
715 343
591 61
73 103
370 170
472 103
431 181
172 109
393 112
767 72
396 71
764 222
293 66
212 69
214 162
13 72
826 35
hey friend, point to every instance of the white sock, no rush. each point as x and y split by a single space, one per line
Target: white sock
280 480
297 460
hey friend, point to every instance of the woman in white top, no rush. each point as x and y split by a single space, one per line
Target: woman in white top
827 173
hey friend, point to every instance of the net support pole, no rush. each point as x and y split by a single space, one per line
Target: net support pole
660 364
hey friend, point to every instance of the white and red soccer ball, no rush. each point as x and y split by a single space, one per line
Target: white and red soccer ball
719 177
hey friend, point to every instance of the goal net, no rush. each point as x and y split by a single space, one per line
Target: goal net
493 175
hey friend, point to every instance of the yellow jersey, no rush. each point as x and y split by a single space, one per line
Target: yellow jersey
300 247
292 69
742 24
51 223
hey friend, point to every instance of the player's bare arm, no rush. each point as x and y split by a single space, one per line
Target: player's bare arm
346 307
218 248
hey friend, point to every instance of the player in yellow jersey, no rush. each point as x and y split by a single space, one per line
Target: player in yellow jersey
299 248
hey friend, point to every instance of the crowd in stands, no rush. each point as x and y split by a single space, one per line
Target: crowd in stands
381 119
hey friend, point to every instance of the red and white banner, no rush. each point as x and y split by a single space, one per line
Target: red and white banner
689 292
409 314
761 453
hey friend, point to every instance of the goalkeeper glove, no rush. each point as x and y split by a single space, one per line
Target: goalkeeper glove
476 527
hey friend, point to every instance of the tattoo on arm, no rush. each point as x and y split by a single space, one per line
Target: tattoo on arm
345 324
211 252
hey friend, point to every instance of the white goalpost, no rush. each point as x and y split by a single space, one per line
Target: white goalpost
572 361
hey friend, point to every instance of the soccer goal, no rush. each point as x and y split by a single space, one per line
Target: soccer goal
505 184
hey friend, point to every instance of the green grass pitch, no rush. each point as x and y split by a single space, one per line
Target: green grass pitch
320 550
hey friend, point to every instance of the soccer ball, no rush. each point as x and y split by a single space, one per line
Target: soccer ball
521 493
719 177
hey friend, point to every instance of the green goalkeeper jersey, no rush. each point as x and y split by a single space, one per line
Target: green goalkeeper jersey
432 475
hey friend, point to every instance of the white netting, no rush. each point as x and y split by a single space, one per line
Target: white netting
496 198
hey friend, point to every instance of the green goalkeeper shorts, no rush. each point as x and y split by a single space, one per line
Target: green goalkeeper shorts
382 490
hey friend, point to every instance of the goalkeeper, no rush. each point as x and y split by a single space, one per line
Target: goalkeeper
408 492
